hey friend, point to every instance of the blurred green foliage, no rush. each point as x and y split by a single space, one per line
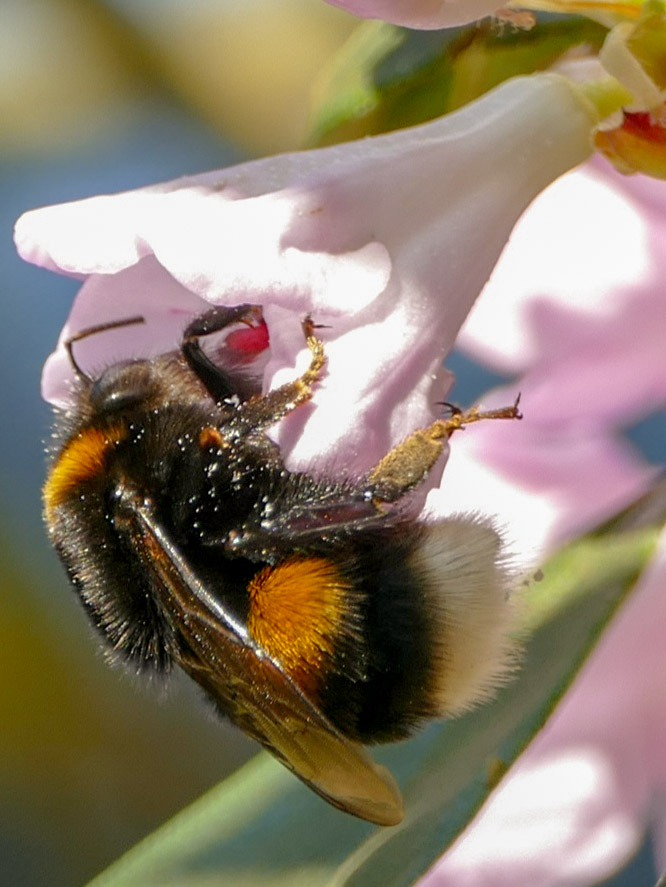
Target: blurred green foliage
386 77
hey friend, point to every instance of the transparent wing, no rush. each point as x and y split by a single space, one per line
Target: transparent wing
253 690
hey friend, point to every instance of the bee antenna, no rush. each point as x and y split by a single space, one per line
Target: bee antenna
91 331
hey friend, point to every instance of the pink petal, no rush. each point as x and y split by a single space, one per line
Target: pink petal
374 239
551 826
426 14
581 253
588 330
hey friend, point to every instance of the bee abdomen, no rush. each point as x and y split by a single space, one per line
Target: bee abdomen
435 639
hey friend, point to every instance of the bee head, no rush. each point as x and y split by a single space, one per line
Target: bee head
124 386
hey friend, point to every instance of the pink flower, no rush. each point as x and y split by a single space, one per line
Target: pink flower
387 241
575 307
426 14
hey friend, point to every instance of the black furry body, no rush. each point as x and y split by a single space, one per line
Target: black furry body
231 513
314 612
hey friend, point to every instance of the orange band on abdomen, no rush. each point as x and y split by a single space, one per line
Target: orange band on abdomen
299 611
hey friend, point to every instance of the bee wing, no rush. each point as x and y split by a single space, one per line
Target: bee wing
254 691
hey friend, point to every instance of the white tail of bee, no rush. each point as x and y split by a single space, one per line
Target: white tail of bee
467 580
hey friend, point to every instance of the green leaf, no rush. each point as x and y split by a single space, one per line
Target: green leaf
263 827
386 77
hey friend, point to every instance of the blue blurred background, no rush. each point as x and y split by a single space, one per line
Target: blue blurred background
98 97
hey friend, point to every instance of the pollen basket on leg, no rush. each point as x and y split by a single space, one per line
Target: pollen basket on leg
83 458
300 612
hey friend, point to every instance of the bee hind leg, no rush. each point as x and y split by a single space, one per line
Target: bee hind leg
409 463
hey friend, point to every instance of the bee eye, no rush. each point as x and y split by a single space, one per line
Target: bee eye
122 386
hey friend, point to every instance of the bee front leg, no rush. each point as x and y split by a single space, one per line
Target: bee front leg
264 410
408 464
216 380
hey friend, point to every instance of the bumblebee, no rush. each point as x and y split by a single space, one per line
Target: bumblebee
316 613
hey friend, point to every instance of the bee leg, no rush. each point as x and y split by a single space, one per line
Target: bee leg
409 463
217 382
280 535
267 409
